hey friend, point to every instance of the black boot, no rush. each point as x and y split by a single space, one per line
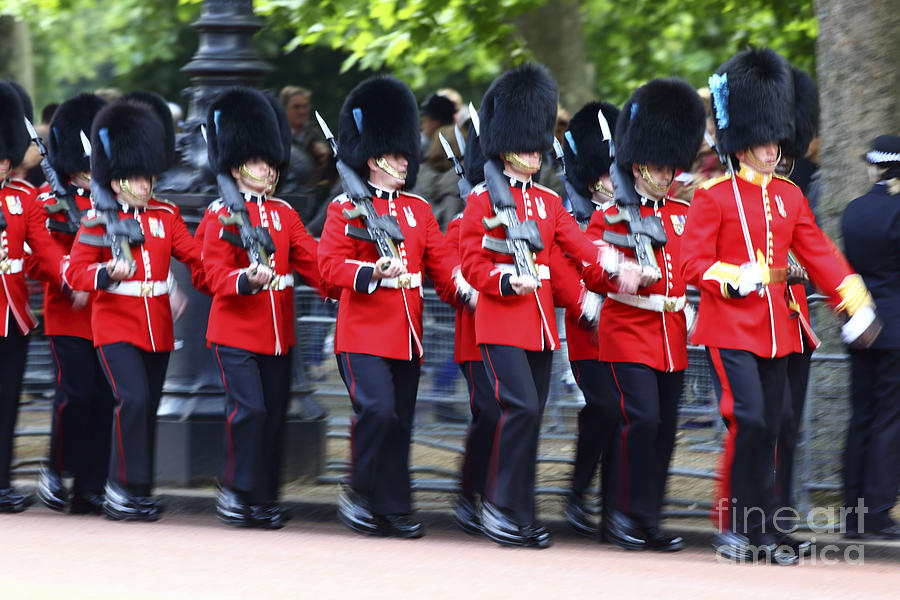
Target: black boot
51 491
12 501
577 515
121 505
465 515
232 509
86 503
622 531
355 511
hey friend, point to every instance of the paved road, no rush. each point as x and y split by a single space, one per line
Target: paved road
188 554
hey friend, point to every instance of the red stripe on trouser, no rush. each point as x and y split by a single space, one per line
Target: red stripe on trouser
490 486
623 495
120 467
351 390
722 502
229 459
57 458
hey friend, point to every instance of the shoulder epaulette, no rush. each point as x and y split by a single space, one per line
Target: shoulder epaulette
678 200
782 178
714 181
341 198
215 205
416 196
164 201
280 201
545 188
20 185
478 188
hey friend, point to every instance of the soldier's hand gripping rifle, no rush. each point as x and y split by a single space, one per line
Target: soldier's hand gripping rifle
65 202
644 233
120 234
381 230
523 238
582 208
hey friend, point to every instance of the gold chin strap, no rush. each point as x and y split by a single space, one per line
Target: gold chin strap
599 187
388 168
514 158
270 187
760 165
86 175
648 179
126 187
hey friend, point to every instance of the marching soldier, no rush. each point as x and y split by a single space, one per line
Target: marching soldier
735 250
871 229
82 408
21 223
131 321
642 339
251 322
515 325
587 168
378 337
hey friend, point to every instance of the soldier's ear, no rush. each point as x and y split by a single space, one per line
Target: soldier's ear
373 166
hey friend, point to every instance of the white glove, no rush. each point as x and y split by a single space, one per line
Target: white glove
750 279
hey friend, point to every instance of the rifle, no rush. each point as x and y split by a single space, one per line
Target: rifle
256 240
464 186
582 208
644 233
523 238
120 234
65 202
382 230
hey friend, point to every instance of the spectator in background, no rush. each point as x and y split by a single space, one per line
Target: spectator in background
437 181
109 94
456 99
437 111
310 154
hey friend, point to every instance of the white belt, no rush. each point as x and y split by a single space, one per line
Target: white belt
543 270
415 280
8 266
146 289
654 302
281 282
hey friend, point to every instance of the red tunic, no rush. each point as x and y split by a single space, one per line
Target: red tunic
24 225
568 292
143 321
527 321
59 316
464 349
778 219
263 321
632 334
373 318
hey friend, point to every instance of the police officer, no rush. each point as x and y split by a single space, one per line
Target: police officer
871 229
642 340
132 319
378 335
21 222
587 169
251 321
83 404
515 324
734 249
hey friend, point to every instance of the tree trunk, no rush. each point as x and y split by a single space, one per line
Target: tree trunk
553 34
858 66
15 52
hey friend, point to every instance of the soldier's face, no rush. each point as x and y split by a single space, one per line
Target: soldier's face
257 176
388 171
522 165
763 158
5 168
653 181
134 191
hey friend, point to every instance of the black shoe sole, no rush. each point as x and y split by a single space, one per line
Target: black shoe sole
630 544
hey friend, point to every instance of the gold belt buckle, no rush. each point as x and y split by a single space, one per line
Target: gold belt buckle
669 304
146 288
274 284
405 281
5 265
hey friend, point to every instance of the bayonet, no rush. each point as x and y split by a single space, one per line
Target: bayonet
460 140
64 201
582 208
464 186
473 114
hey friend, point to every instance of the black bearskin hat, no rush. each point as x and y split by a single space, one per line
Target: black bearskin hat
71 118
806 115
753 100
127 139
440 108
25 99
585 151
14 140
379 116
518 112
661 124
243 123
161 108
473 161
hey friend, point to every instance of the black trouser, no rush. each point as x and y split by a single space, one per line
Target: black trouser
383 394
598 423
82 414
13 353
750 390
791 418
648 400
136 378
480 437
520 380
257 388
872 460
